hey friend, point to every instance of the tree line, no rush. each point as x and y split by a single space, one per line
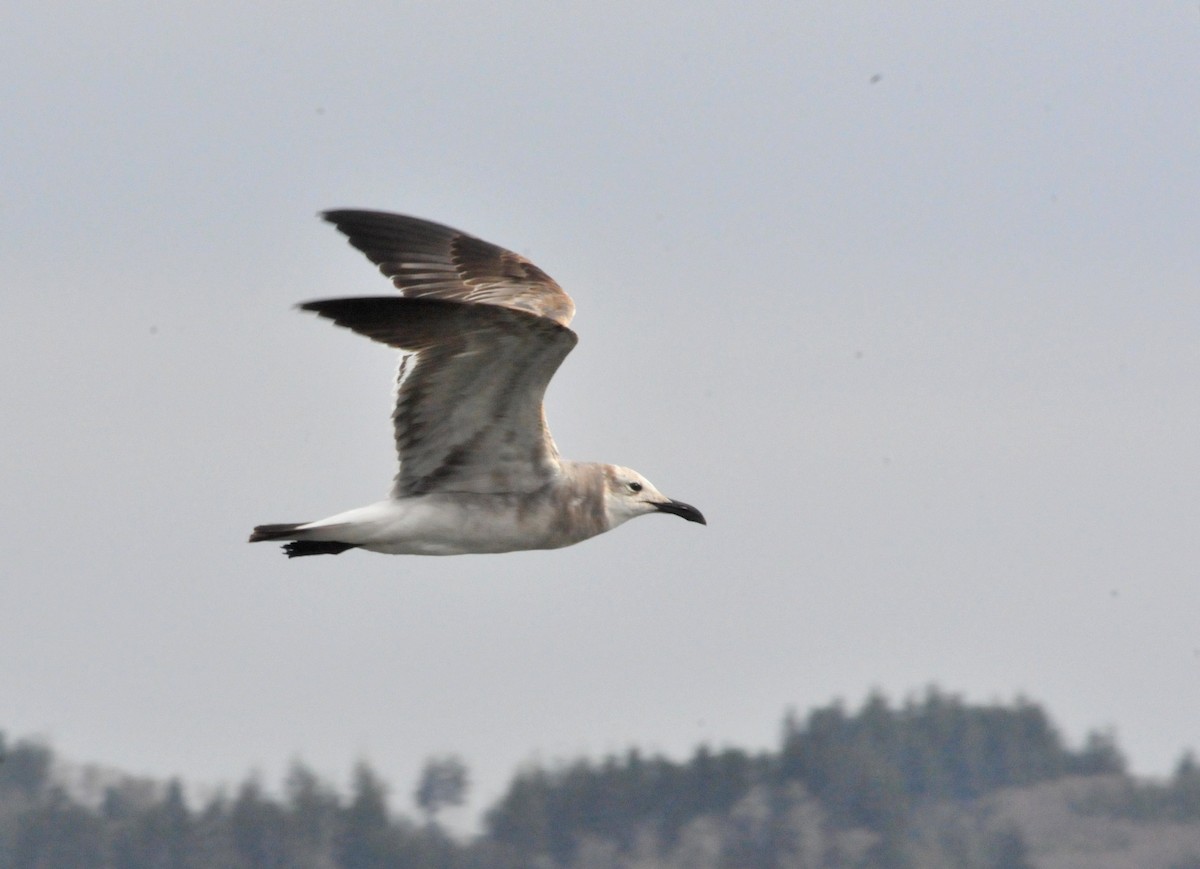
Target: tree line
842 789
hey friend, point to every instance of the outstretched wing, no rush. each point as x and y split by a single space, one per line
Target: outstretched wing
468 414
428 260
486 328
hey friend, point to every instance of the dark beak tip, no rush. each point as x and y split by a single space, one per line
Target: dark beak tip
684 511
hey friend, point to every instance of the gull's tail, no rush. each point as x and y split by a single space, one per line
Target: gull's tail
298 547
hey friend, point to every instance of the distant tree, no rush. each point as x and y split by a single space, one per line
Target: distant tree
58 833
1100 756
364 838
155 835
521 819
24 767
443 782
313 814
1185 788
257 828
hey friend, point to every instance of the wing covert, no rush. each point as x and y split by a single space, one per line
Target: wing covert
429 260
468 414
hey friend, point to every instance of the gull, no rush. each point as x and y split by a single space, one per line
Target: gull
481 331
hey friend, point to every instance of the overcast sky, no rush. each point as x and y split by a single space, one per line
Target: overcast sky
902 296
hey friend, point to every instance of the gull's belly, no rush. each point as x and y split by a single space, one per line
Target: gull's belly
447 524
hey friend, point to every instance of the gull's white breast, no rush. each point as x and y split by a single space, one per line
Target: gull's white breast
451 524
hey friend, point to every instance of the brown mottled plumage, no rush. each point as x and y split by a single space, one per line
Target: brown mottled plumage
482 331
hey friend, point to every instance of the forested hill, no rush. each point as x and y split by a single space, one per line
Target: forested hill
933 783
865 771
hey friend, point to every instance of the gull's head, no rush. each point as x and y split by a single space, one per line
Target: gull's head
627 494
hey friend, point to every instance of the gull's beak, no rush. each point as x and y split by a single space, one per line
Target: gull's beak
687 511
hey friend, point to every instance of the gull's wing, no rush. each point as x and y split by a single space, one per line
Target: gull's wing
428 260
468 411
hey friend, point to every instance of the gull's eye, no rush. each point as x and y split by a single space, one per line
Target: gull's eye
635 487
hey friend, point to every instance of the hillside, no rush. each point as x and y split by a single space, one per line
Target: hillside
933 783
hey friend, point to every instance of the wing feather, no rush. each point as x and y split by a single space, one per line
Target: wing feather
429 260
468 415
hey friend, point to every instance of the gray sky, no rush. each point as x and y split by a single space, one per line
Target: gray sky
902 296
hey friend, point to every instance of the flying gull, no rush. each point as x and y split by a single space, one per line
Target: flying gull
482 330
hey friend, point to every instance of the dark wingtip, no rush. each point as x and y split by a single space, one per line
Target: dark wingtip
333 215
298 548
356 307
339 216
279 531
